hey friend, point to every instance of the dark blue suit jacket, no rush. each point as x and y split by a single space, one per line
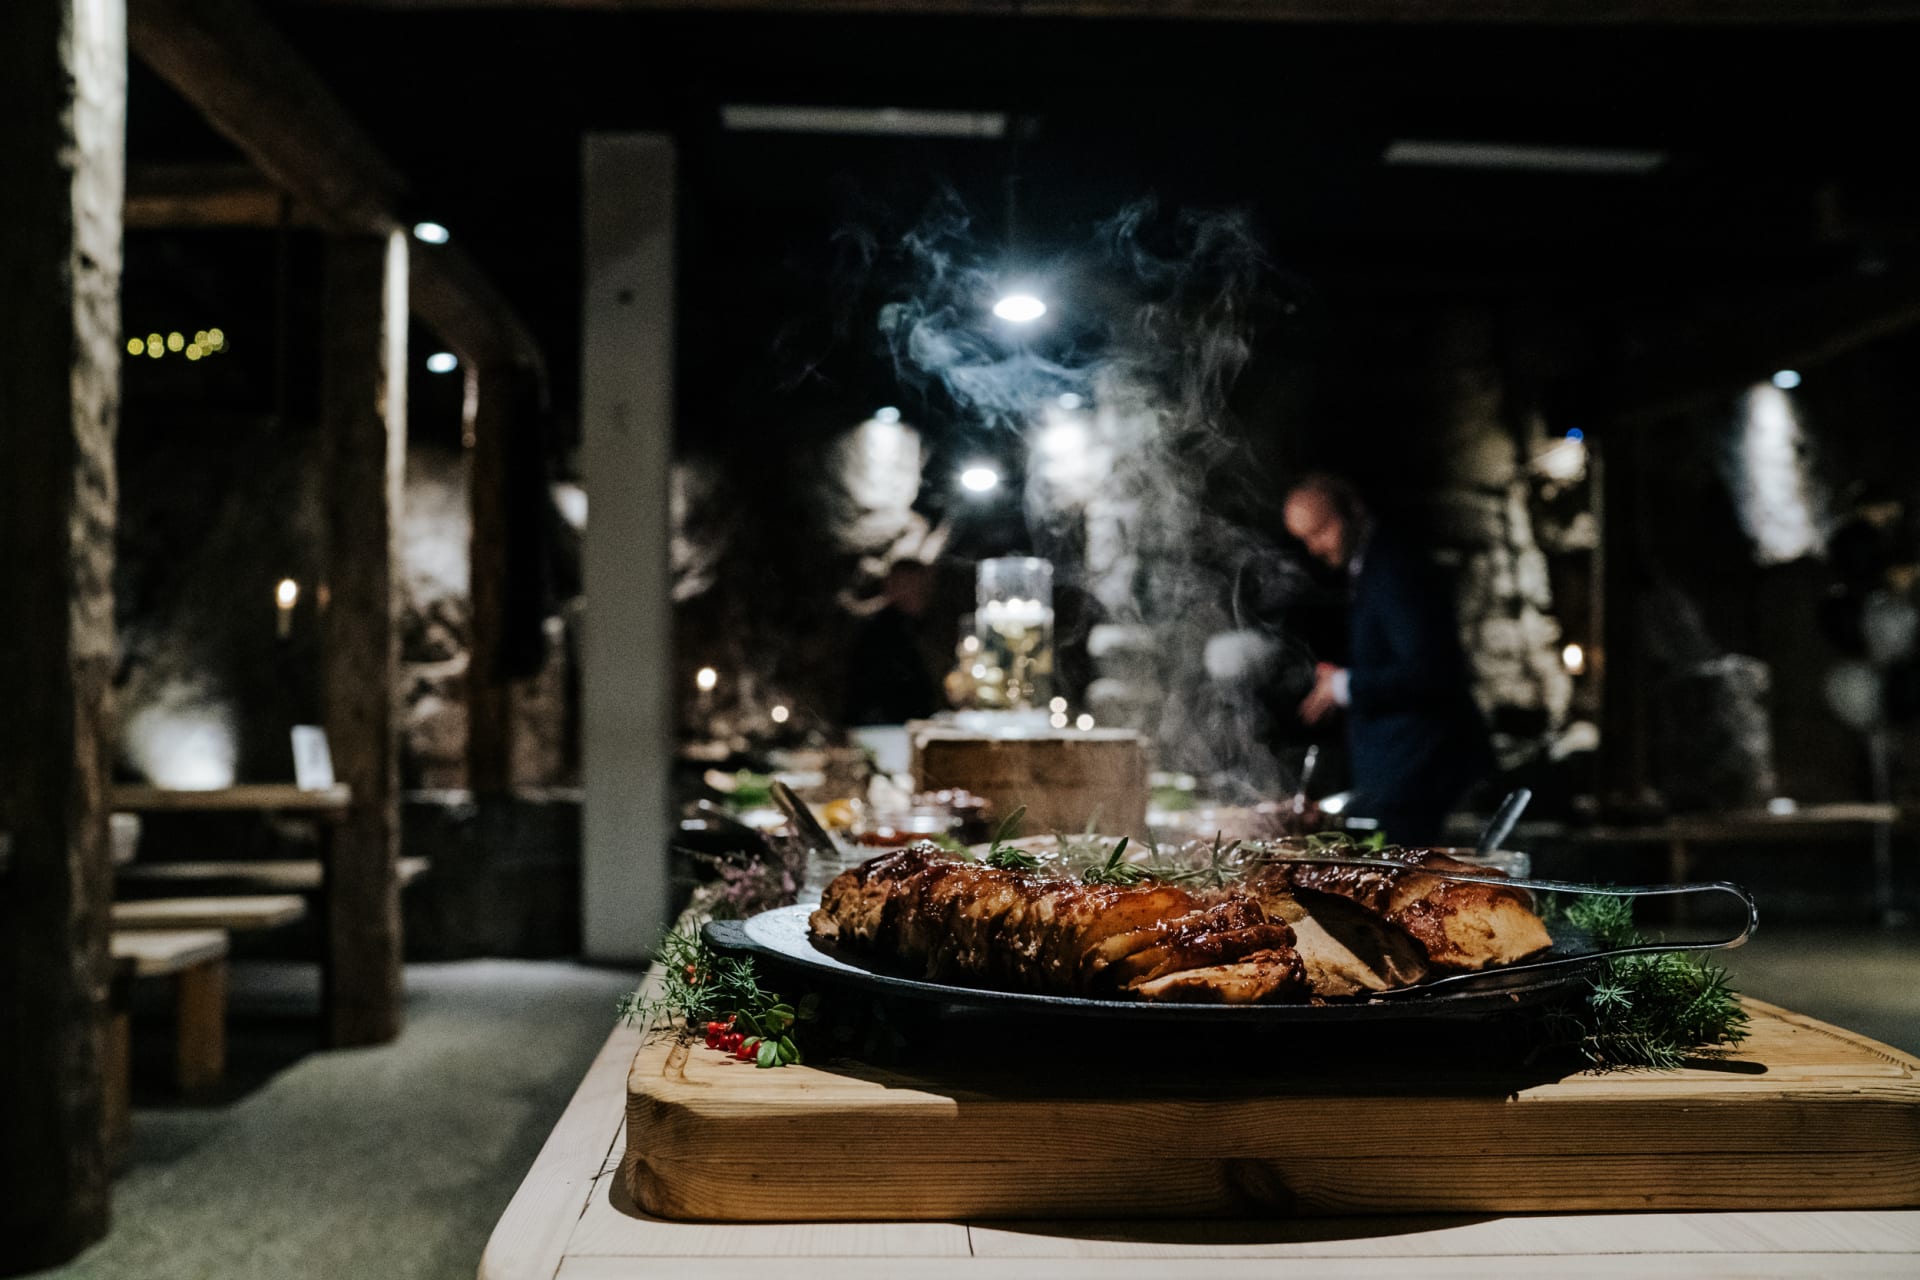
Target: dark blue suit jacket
1418 740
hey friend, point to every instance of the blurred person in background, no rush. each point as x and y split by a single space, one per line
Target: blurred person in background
1415 734
888 680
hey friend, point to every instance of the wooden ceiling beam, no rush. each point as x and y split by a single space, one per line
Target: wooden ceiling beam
253 88
1398 12
173 196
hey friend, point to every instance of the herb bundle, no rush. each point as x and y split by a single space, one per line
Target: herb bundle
701 988
1654 1010
1003 855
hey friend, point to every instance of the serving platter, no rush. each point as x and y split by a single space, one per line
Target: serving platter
781 936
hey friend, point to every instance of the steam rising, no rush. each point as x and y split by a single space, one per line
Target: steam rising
1153 322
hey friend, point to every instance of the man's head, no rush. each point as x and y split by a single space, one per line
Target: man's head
1326 515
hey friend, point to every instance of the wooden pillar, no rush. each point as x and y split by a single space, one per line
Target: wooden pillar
63 69
493 403
364 417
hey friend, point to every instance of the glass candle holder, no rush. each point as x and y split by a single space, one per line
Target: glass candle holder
1014 620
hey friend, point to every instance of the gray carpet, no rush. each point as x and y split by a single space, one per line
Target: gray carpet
389 1163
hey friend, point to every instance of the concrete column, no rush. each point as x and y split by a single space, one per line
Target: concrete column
627 431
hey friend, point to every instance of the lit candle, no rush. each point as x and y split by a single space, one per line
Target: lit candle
285 596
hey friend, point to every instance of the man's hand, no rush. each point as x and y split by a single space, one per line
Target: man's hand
1323 698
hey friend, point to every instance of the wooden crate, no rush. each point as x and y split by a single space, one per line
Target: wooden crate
1067 779
1805 1116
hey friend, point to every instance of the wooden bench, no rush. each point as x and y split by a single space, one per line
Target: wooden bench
196 961
254 911
281 875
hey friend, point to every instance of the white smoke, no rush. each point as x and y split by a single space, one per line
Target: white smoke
1136 468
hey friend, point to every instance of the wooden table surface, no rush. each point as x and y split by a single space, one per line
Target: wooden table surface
243 798
572 1220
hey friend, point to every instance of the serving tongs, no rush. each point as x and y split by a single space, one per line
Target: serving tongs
1551 962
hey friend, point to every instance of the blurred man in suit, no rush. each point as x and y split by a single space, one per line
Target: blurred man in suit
1417 738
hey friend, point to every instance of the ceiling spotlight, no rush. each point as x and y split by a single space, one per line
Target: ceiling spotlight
889 415
705 679
779 714
980 478
431 233
442 362
1020 308
1786 379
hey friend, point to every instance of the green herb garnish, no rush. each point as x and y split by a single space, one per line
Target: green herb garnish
1115 872
1652 1010
698 985
1003 855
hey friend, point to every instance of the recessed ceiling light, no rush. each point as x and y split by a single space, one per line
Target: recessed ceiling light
1523 156
431 233
442 362
1020 308
980 478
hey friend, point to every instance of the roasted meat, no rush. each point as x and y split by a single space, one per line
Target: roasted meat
965 922
1458 925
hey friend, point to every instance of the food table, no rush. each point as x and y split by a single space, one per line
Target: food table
573 1219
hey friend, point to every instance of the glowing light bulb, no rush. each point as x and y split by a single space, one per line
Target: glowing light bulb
980 478
200 337
135 347
1058 706
705 679
216 339
1574 659
1058 720
442 362
1084 721
779 714
431 233
193 351
888 415
1787 379
1020 308
176 340
287 593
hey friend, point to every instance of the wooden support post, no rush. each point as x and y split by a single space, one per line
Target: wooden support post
63 76
364 416
492 405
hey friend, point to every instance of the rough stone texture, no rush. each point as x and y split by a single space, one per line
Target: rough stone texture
1713 735
1483 516
63 74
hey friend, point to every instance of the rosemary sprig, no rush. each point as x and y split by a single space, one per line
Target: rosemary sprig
1005 856
698 985
1654 1010
1114 871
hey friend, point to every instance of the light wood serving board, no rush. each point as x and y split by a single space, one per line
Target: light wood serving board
1805 1116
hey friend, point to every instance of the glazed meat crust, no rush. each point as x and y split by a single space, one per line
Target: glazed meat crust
965 922
1459 925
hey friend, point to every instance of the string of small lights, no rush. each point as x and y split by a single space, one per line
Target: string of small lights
203 343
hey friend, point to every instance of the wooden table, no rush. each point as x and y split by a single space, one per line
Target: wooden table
1813 822
571 1220
329 805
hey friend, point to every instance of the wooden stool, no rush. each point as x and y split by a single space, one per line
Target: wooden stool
196 960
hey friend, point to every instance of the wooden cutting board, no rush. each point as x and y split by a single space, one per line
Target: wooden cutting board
1805 1116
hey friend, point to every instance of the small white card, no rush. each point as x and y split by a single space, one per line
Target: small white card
312 758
